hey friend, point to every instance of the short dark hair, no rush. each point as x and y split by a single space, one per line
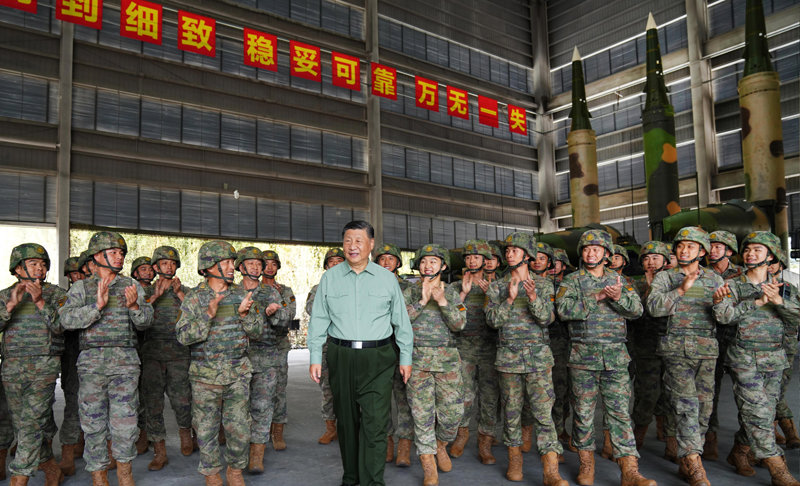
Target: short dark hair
359 225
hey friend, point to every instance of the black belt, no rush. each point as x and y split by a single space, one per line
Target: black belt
359 344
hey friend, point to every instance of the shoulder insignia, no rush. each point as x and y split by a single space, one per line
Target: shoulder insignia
283 303
561 292
629 288
62 301
292 298
461 307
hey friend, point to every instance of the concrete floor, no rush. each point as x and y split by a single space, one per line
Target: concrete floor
305 462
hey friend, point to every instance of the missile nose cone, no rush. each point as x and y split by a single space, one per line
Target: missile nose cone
576 56
651 22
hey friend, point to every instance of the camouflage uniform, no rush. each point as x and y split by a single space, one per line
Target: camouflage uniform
71 425
283 346
220 370
782 410
32 347
108 365
559 345
434 389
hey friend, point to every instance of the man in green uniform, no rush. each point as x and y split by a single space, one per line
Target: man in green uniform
559 346
108 308
333 257
358 307
596 304
477 346
216 320
689 347
142 272
520 306
434 388
272 263
165 361
32 345
761 312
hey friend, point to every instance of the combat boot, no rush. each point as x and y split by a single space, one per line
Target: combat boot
566 441
660 428
695 471
141 443
389 448
442 458
527 438
738 459
550 475
214 480
3 455
485 449
671 449
639 433
256 462
221 437
792 439
125 474
514 472
608 451
629 467
234 477
710 448
67 459
187 447
100 478
159 456
330 432
112 464
52 473
779 439
277 437
586 471
80 446
19 481
461 441
403 453
429 470
779 472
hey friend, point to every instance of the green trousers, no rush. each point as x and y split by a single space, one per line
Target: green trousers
361 382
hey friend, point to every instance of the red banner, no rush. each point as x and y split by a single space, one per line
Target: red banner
260 49
141 20
26 5
517 120
487 111
427 93
346 71
306 62
384 81
457 103
197 34
88 13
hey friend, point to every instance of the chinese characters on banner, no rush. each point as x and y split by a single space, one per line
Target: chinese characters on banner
346 71
140 20
384 81
26 5
306 62
517 120
260 50
88 13
197 34
427 93
457 103
487 111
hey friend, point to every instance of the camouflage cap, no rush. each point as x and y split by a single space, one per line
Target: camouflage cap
142 260
105 240
166 253
496 250
596 237
26 251
523 241
620 250
784 258
388 249
84 258
432 249
654 248
726 238
561 256
333 252
271 255
693 233
71 265
247 253
772 242
477 247
213 252
542 247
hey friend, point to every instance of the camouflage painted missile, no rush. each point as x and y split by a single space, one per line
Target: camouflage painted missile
582 149
762 134
737 216
660 153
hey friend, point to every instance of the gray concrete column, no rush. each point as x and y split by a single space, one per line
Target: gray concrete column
64 148
374 127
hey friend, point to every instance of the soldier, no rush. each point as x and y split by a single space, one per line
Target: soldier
648 397
108 308
689 348
86 264
32 345
520 306
491 268
272 264
761 312
723 247
477 347
388 256
250 263
559 346
216 320
142 271
71 436
596 304
619 260
434 388
165 361
333 257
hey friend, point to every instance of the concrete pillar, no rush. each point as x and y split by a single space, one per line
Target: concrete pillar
64 148
374 127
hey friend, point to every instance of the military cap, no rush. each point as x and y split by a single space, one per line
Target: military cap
726 238
271 255
247 253
561 256
105 240
432 249
784 258
84 258
692 233
333 252
71 265
477 247
496 250
596 237
620 250
388 249
26 251
772 242
166 253
212 253
523 241
142 260
654 248
542 247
